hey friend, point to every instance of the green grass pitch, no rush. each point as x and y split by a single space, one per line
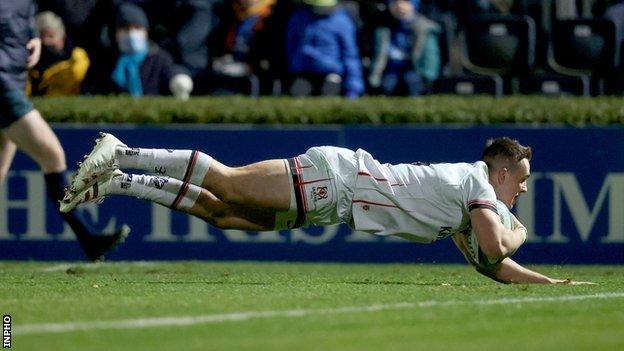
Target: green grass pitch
296 306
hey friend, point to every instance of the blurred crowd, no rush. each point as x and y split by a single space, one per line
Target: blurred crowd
280 47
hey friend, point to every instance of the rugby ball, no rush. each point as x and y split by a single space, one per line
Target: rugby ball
473 245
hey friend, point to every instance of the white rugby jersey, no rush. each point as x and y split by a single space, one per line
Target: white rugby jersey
421 203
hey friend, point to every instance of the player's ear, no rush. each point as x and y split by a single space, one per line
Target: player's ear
502 174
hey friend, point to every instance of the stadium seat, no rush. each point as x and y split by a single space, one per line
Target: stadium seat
554 85
584 48
614 84
469 85
501 45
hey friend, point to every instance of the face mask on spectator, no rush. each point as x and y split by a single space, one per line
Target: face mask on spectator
132 41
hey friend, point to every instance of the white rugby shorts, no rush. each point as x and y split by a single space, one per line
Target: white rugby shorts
323 180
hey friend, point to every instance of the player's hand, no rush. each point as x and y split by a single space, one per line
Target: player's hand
34 46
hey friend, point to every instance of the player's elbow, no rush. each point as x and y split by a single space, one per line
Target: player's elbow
494 250
498 248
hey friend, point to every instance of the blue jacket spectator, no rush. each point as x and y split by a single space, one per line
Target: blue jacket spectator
321 40
406 51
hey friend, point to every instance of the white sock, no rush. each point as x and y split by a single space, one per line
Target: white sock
186 165
166 191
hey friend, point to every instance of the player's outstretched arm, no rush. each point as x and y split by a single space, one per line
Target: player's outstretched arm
508 271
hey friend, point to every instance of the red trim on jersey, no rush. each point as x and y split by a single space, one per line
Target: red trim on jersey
300 184
313 181
362 173
482 203
380 204
373 203
294 173
378 179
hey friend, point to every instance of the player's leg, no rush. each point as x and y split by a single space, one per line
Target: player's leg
175 194
273 194
270 184
230 216
263 184
34 136
7 152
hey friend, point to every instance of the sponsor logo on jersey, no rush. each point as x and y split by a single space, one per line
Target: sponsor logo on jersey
319 193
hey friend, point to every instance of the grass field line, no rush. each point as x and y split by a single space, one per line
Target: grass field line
139 323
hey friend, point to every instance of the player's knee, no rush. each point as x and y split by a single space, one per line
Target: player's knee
222 182
229 190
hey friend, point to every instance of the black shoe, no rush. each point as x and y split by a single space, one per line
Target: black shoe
98 245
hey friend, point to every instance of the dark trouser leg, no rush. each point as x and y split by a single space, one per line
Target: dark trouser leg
94 246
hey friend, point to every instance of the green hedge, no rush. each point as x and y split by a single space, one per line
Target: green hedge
371 110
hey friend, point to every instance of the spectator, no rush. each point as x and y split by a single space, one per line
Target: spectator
138 67
407 52
323 57
243 47
61 68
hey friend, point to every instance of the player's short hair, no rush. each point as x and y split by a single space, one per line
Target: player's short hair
506 149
